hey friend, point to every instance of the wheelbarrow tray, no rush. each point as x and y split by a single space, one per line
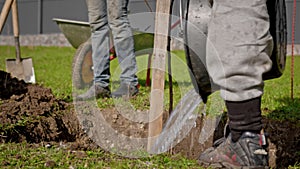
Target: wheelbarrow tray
71 29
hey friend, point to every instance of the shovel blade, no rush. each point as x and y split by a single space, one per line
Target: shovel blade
22 70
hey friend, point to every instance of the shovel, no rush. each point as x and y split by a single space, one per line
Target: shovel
21 68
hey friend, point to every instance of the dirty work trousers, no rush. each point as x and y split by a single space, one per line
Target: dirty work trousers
239 46
106 15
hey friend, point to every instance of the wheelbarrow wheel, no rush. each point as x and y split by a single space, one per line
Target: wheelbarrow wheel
82 73
195 45
278 30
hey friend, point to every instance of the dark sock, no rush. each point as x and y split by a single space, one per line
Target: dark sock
244 116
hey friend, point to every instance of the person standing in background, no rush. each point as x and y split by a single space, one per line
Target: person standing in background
106 15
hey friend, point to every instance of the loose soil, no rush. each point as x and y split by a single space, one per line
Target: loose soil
31 113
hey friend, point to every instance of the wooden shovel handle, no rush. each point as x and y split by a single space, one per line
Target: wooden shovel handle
4 13
162 20
15 18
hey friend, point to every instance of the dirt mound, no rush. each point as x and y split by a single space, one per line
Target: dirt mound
284 142
32 113
10 86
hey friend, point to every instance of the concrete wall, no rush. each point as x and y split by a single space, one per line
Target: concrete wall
289 6
35 16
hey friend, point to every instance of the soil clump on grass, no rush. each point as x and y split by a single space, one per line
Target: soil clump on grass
31 113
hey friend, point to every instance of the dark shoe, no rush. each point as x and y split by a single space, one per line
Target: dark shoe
250 151
126 90
95 92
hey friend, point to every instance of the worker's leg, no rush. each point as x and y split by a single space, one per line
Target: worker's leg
97 12
100 50
238 50
123 40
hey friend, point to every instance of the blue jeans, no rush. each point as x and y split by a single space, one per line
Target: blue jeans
106 15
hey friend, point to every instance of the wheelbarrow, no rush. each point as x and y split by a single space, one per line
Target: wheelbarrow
82 68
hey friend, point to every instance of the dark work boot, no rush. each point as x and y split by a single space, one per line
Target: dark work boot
250 151
126 90
95 92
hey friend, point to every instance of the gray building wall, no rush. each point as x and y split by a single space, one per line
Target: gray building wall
289 14
35 16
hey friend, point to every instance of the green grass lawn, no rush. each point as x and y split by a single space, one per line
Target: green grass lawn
52 66
277 102
53 69
23 155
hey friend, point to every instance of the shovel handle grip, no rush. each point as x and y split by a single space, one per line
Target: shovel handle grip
4 13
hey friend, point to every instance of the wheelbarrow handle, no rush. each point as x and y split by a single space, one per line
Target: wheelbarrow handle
4 13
